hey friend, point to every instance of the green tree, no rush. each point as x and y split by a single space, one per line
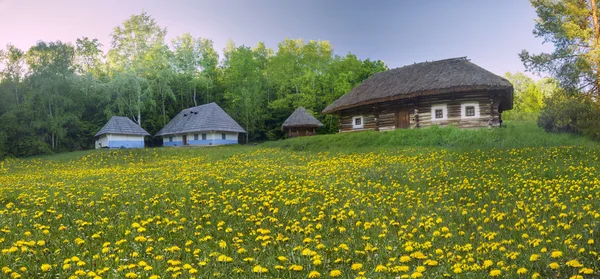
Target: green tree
529 96
243 90
130 47
13 60
52 70
572 26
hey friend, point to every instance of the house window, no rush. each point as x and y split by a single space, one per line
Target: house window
195 136
358 122
469 110
223 136
170 139
203 136
439 112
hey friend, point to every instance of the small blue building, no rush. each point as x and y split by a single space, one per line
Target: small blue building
120 132
206 124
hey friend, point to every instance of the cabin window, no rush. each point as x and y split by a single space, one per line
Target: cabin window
439 112
358 122
470 110
223 136
170 139
195 136
203 136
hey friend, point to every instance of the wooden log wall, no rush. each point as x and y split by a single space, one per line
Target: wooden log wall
382 117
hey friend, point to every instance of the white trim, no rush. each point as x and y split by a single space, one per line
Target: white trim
463 110
443 107
362 122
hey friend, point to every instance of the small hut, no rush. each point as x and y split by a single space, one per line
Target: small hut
206 124
301 123
120 132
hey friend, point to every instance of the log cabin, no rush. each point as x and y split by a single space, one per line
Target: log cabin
301 123
445 92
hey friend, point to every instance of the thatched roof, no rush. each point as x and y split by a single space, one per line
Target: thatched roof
119 125
204 118
427 78
301 118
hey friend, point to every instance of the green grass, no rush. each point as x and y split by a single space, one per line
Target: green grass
514 135
451 203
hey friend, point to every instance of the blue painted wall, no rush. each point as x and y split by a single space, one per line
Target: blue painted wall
199 142
220 141
125 144
172 143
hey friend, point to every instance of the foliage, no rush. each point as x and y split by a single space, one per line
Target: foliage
572 26
62 94
573 113
256 212
528 96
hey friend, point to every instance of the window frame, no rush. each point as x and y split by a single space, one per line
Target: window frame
171 139
223 136
196 137
203 136
443 107
463 110
470 111
362 122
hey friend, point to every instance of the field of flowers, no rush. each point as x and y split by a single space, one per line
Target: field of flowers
254 212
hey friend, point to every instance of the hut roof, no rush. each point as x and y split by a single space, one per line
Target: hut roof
207 117
426 78
120 125
301 118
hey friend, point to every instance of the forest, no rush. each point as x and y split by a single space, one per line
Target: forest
55 96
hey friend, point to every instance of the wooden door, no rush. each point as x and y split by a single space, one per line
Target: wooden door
184 139
402 119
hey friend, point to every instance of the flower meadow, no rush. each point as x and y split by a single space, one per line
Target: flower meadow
255 212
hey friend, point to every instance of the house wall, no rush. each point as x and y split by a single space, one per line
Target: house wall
212 138
102 141
300 131
120 141
382 117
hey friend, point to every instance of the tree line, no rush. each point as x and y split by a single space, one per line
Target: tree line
55 96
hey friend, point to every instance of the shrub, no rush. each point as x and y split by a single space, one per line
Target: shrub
571 113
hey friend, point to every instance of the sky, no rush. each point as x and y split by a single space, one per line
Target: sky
491 33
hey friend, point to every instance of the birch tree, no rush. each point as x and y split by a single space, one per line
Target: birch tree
130 46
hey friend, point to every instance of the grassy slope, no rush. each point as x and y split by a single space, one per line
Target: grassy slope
515 134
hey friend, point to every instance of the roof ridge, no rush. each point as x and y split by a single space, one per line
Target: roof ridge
432 61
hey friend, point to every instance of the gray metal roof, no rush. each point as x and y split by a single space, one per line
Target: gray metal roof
120 125
301 117
208 117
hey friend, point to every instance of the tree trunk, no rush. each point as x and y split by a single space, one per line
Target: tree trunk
139 110
17 92
195 104
597 41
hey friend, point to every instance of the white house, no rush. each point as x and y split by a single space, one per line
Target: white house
120 132
206 124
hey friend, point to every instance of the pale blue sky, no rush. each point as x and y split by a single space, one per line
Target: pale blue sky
490 33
